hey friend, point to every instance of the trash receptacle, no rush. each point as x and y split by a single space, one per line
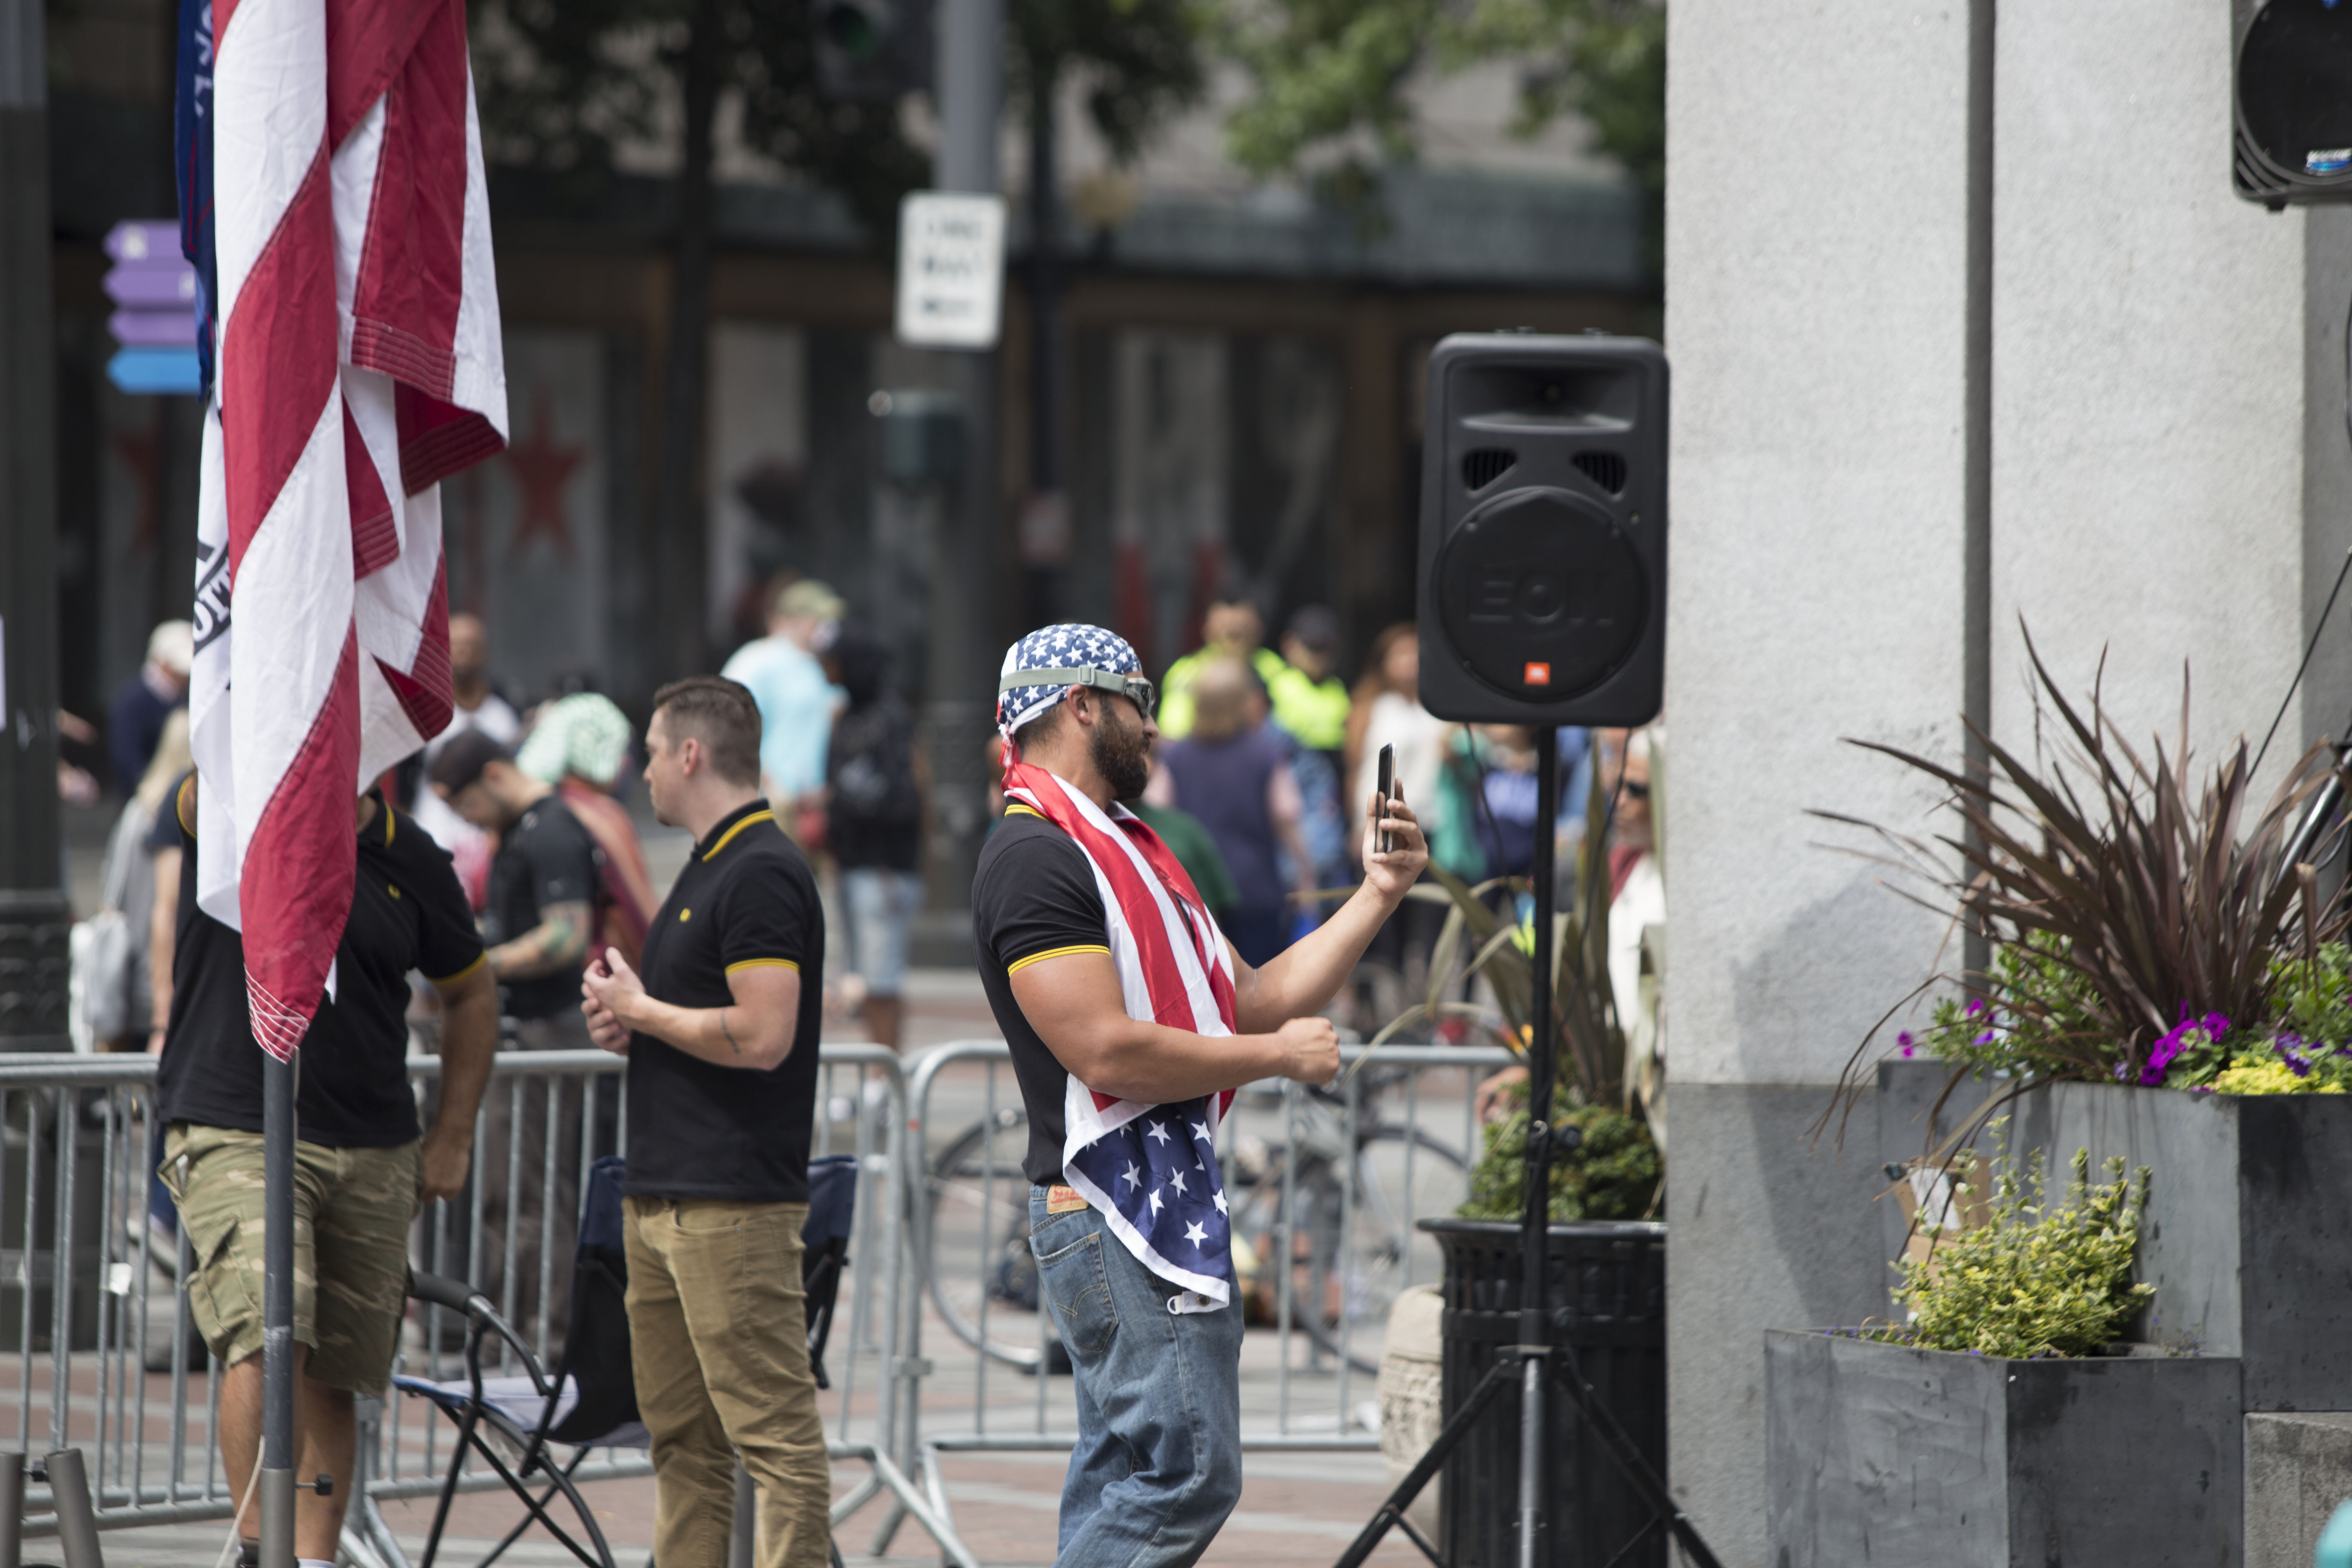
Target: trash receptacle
1608 1300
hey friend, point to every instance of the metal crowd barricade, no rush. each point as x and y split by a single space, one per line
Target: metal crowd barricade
89 1303
1332 1183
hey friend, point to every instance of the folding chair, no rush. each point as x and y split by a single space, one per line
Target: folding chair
591 1401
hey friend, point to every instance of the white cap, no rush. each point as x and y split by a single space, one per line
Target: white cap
173 646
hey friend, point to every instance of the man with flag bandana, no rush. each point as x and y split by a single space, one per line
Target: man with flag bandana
1131 1021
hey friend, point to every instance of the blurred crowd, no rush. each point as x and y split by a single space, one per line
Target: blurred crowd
1266 753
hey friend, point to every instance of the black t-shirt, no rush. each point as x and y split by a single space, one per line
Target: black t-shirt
876 817
698 1130
546 858
408 913
1033 897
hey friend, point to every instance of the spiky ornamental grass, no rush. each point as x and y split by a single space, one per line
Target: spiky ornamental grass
2121 902
2035 1281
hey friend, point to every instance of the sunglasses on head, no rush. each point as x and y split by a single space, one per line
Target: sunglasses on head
1134 688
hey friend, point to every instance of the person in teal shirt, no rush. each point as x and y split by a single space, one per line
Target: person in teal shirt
796 702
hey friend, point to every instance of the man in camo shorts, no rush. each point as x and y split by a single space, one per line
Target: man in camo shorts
361 1169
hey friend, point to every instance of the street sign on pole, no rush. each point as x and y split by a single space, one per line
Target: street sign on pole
155 326
951 269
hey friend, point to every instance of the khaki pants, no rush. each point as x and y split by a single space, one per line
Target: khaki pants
717 1330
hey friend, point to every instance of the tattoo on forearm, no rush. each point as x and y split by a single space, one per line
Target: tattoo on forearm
736 1046
558 942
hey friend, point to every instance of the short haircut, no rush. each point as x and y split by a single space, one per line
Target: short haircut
461 762
1041 727
719 713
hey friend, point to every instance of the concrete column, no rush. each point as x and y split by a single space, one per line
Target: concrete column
1817 316
34 916
2148 385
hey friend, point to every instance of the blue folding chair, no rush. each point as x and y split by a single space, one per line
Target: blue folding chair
591 1402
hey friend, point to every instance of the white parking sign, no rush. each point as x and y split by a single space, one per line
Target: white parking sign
950 271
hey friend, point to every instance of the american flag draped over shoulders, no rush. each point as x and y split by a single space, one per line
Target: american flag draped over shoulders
334 206
1150 1171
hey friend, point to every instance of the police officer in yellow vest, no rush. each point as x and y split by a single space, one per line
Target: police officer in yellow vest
1308 699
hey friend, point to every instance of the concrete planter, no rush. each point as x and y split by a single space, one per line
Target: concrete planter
1880 1454
2248 1240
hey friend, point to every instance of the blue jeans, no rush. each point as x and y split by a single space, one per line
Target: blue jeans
881 907
1159 1462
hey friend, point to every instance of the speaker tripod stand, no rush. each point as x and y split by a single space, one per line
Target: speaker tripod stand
1536 1363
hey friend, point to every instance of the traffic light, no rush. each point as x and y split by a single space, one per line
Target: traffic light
875 50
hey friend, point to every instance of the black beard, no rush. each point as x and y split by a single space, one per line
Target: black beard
1122 756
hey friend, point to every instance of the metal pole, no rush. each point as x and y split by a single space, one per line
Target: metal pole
1534 1329
11 1509
277 1487
1045 525
34 914
961 686
76 1521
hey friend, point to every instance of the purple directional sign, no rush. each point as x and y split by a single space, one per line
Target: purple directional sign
157 325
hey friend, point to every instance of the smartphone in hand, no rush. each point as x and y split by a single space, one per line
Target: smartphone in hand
1388 793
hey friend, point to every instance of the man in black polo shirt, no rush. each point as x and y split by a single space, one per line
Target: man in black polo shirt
537 922
721 1037
362 1170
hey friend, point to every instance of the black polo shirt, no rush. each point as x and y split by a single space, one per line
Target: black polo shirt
546 858
408 913
1033 897
698 1130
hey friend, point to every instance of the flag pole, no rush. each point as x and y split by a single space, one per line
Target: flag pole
277 1483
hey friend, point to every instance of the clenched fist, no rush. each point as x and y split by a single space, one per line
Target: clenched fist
1312 1050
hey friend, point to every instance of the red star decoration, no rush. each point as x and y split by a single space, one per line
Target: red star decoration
542 467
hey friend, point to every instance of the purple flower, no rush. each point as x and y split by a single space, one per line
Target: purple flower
1976 1007
1904 1039
2215 1026
2201 1089
1986 1038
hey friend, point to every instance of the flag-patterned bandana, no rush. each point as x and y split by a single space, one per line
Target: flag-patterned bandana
1150 1171
1072 646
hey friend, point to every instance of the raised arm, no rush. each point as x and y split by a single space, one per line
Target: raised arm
1075 1003
1306 975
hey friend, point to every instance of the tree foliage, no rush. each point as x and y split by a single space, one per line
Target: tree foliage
565 83
1332 80
1140 59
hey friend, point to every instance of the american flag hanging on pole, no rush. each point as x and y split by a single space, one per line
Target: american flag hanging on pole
358 363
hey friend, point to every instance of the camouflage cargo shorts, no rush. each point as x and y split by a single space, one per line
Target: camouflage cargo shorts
352 1213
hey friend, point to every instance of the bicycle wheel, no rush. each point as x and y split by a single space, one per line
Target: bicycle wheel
1341 1293
976 1239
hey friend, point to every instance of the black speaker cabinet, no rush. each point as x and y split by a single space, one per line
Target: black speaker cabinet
1543 530
2291 73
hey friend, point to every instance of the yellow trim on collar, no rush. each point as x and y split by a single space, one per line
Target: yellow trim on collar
792 965
730 836
1023 810
1056 953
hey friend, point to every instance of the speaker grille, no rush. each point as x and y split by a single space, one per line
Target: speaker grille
1487 464
1606 470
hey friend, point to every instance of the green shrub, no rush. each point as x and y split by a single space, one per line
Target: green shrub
2036 1280
1613 1174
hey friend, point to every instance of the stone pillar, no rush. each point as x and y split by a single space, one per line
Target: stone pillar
1817 293
33 918
2149 386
